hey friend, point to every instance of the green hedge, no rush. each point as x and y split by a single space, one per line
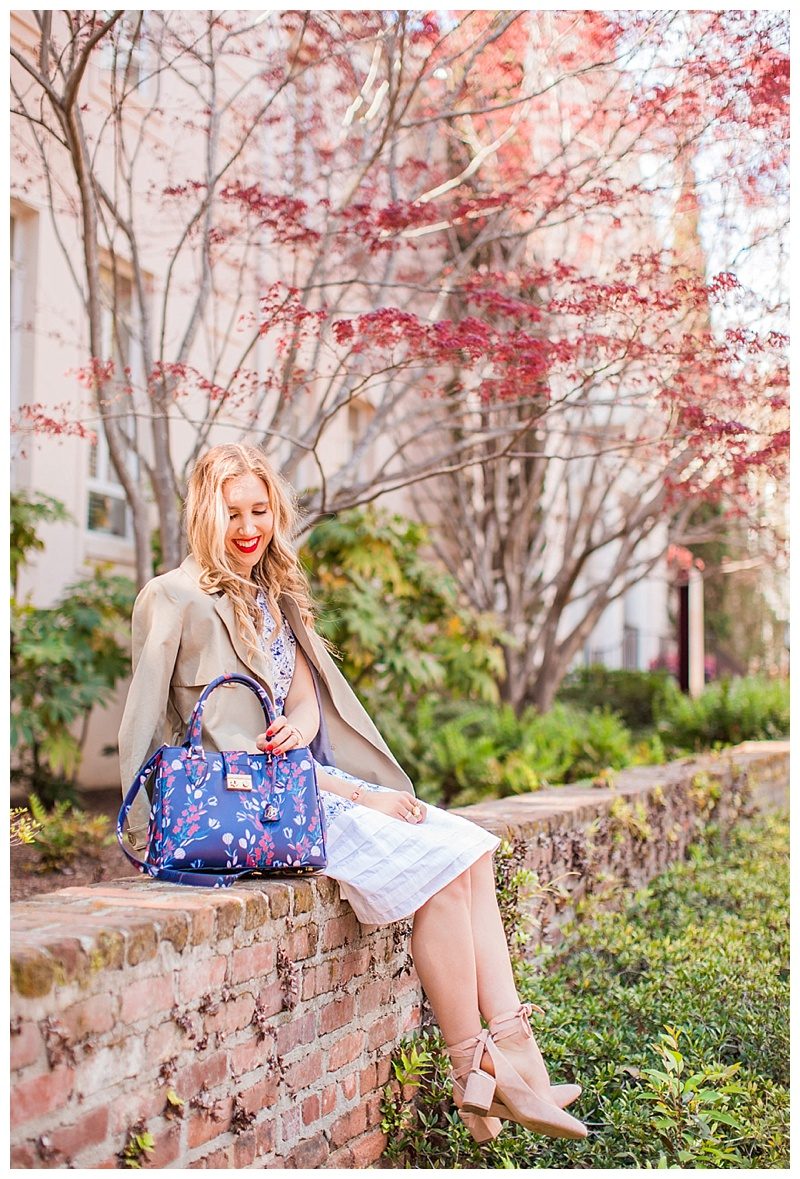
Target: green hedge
673 1015
750 708
633 695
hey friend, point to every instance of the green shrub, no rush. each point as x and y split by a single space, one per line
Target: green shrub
65 659
63 833
727 712
633 695
458 753
396 620
672 1013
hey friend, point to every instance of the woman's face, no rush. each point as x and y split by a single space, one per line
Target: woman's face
250 520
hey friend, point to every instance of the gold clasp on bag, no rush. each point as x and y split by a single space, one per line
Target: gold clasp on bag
238 782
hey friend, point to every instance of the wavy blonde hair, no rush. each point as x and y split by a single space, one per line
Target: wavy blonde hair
278 571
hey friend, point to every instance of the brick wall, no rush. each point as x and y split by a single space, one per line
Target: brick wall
267 1011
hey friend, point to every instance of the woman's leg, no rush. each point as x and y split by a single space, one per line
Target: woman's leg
442 947
497 991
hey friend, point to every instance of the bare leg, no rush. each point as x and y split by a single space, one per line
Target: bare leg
444 956
497 992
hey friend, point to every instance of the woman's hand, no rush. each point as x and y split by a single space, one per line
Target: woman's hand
396 803
280 737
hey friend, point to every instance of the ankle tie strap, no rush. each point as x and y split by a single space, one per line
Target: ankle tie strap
512 1023
472 1048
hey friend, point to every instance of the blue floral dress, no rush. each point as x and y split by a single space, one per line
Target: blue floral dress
385 868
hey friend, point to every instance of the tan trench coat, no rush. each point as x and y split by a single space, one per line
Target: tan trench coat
183 638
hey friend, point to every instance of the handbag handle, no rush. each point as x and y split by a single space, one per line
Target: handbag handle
194 732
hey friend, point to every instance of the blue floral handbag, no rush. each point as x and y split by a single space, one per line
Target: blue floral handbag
215 817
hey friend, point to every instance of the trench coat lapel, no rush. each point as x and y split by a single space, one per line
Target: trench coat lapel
342 695
258 662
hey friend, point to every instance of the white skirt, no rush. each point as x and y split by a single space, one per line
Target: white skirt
387 868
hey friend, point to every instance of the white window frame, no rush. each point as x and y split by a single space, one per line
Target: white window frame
120 54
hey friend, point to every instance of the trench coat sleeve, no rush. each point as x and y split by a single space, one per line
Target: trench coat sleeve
156 636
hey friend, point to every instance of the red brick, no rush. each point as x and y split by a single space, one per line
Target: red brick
216 1160
231 1016
147 997
383 1031
167 1146
291 1124
298 1030
279 898
265 1138
406 983
27 1046
368 1150
311 1109
337 1014
348 1048
348 1127
211 1071
304 1072
229 911
330 1096
256 908
165 1040
308 1155
23 1157
341 1159
372 996
42 1094
270 997
373 1106
354 965
384 1067
244 1150
368 1079
90 1130
143 1105
340 931
262 1095
349 1086
203 1128
141 943
72 960
251 1054
112 1063
198 978
302 943
91 1017
252 962
412 1019
311 979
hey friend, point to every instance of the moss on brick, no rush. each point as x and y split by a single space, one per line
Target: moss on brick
142 944
32 974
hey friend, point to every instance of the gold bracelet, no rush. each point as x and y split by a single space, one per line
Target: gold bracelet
359 790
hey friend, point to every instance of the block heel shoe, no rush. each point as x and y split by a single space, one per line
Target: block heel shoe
508 1095
472 1086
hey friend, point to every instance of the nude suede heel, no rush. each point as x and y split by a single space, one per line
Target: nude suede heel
473 1088
516 1024
537 1108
